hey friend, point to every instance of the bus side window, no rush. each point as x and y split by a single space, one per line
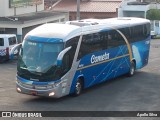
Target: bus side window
66 63
83 47
104 39
111 39
97 42
132 34
146 30
120 39
71 53
90 43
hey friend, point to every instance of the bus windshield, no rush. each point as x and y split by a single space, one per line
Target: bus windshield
38 58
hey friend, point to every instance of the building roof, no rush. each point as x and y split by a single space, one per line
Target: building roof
29 16
88 5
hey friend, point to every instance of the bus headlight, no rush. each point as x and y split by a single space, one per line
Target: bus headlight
18 89
51 94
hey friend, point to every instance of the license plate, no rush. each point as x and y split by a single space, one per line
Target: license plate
33 92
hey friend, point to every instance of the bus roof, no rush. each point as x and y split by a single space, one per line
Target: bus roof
124 21
78 27
54 30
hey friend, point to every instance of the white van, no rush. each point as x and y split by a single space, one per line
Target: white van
7 41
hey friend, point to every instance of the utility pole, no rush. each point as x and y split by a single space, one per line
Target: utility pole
14 10
78 9
36 5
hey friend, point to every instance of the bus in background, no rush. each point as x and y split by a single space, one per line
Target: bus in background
7 41
60 59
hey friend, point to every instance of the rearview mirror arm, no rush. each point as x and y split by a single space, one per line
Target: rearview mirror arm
61 55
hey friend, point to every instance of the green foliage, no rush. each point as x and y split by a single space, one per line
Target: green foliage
153 14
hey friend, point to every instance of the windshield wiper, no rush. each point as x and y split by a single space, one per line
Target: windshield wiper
30 68
25 68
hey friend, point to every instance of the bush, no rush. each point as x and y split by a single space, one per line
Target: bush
153 14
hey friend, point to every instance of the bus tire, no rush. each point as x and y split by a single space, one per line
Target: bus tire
78 87
132 69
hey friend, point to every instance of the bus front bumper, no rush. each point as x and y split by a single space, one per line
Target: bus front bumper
36 90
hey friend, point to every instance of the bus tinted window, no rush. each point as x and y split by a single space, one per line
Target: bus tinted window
147 30
1 42
112 38
72 42
136 33
100 41
90 43
70 55
12 40
126 32
139 32
115 39
104 39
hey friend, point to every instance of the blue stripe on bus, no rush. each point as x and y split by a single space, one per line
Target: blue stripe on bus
106 70
36 82
140 51
103 70
102 62
43 39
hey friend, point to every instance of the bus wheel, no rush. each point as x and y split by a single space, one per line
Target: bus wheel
132 69
78 87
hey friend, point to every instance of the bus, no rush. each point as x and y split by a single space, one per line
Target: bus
56 59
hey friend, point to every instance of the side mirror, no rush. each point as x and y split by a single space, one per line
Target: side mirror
15 51
61 55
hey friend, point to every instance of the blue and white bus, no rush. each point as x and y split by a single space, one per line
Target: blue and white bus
60 59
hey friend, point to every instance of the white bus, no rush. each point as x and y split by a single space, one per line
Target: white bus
155 28
60 59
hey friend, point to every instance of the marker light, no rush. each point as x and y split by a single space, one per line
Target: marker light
18 89
51 94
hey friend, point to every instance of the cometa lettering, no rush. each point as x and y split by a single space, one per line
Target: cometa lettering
100 58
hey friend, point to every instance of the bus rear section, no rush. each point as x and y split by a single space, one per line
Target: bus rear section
138 37
113 51
7 42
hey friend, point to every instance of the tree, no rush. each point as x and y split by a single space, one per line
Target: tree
153 14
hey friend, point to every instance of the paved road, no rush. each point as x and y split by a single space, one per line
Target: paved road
138 93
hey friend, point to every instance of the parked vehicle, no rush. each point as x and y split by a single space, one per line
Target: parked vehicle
155 28
7 41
